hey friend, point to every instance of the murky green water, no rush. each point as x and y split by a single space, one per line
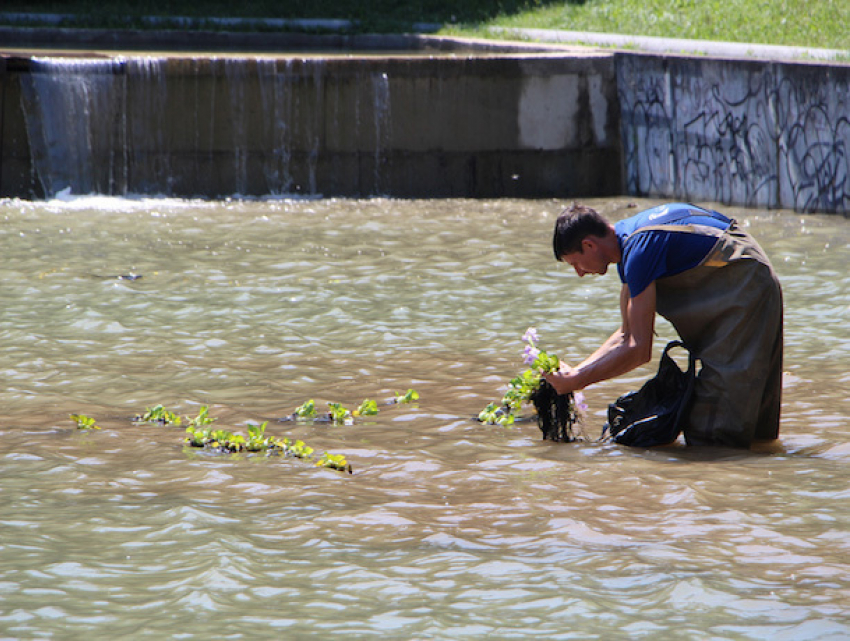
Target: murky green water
447 529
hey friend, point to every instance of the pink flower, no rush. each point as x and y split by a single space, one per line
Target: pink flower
530 354
581 406
531 336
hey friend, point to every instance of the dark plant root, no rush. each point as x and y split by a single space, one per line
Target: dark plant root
555 413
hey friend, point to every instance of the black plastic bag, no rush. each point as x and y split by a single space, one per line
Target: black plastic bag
654 414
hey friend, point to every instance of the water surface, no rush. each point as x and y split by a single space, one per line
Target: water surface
447 529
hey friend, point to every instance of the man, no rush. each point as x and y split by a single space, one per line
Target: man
712 281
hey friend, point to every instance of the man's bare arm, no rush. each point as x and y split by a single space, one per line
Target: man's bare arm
617 337
626 349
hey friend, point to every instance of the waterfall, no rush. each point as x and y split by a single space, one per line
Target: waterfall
97 126
70 113
211 127
276 97
237 79
381 109
145 109
293 107
317 66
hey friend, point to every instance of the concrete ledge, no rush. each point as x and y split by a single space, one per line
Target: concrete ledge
678 46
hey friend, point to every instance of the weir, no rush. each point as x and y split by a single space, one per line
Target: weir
537 125
517 122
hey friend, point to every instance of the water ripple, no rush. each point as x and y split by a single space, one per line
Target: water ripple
447 529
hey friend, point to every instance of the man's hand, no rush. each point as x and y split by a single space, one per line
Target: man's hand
564 380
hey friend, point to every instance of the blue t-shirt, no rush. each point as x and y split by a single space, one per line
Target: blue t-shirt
655 254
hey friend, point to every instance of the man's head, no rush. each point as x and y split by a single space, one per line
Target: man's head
585 240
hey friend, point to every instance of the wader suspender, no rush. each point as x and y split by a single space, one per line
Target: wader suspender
715 257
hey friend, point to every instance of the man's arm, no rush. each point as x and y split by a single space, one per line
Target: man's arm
617 337
626 349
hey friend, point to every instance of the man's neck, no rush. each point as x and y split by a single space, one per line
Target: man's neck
610 244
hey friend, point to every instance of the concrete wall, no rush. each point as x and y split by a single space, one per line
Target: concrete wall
526 126
499 124
757 134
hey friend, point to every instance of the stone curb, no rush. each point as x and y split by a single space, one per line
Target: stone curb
676 45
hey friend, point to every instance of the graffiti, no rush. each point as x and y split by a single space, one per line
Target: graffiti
648 143
756 135
814 145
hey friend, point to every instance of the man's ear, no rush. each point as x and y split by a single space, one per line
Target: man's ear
588 243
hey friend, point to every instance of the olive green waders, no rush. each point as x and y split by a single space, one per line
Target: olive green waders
728 312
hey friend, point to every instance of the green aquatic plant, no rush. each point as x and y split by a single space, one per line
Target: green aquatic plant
203 418
198 437
307 410
410 396
495 414
221 440
339 414
334 462
367 408
257 440
526 388
218 439
298 449
200 434
520 389
84 422
158 414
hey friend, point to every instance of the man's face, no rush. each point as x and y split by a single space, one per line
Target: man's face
589 260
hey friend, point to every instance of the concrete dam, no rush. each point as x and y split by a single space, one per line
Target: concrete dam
524 122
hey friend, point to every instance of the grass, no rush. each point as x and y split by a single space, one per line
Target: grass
806 23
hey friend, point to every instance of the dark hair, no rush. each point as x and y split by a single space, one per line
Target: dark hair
576 223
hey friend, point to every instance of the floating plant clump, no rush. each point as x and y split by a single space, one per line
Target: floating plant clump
556 413
84 422
340 415
161 416
220 440
334 462
158 414
410 396
201 434
227 441
203 418
367 408
307 410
